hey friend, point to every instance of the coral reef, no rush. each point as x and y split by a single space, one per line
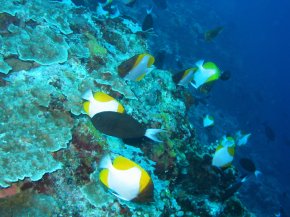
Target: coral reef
51 53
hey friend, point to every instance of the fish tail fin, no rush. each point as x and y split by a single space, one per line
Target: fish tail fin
199 63
105 162
88 95
244 179
150 69
194 85
258 173
149 10
151 134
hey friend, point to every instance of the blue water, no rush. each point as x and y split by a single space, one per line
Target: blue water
255 47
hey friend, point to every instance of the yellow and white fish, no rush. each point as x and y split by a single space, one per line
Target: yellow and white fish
242 138
205 73
208 121
224 153
100 102
126 179
136 67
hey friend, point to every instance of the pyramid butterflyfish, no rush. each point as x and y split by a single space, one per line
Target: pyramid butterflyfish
99 102
206 73
126 179
136 67
224 153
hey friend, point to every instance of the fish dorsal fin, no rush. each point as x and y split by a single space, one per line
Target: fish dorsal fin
103 176
231 150
122 163
212 66
199 64
151 60
219 147
102 97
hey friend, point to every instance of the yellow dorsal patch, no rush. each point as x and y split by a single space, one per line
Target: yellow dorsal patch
212 66
151 60
122 163
104 177
219 147
86 106
139 59
145 179
102 97
231 150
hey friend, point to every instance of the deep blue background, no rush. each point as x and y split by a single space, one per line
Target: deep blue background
260 89
255 47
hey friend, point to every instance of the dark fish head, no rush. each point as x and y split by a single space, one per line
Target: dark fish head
226 75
